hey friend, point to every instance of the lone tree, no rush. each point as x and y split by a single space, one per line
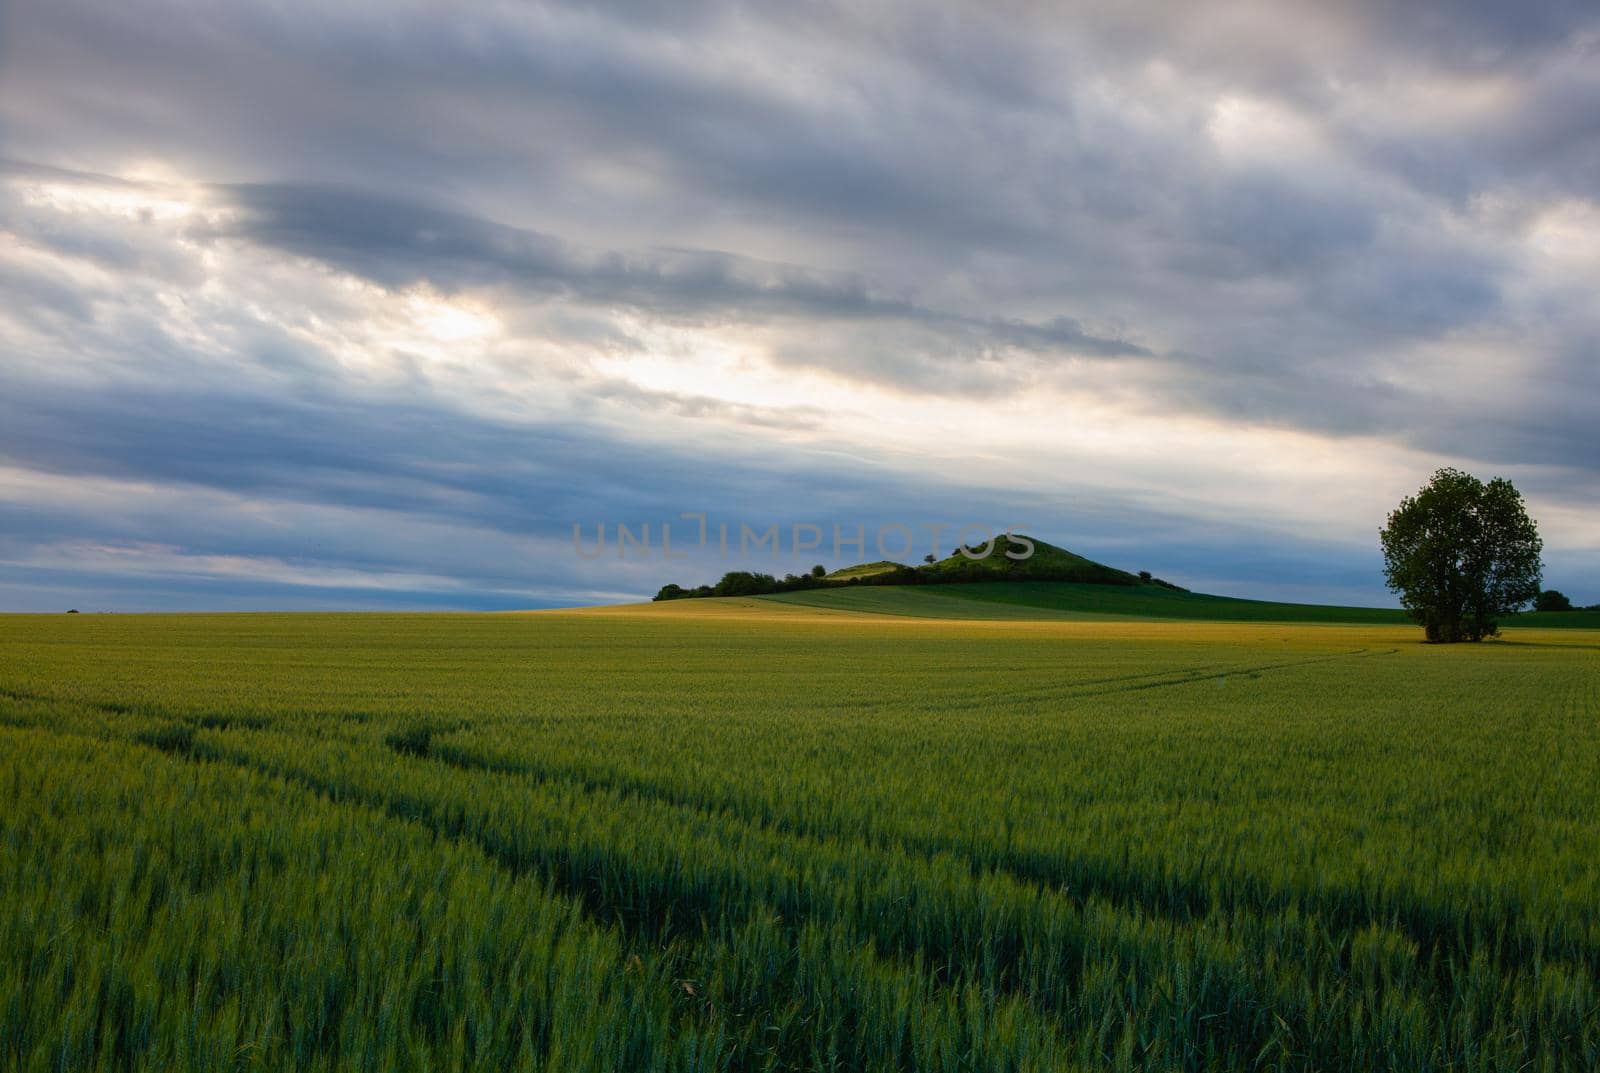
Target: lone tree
1461 553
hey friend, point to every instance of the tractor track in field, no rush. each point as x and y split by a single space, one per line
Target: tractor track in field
562 870
1079 878
1180 676
1438 931
1435 929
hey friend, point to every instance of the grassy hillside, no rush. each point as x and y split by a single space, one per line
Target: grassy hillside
749 835
1048 599
1045 562
1015 600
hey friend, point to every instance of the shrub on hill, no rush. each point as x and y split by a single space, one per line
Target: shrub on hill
746 583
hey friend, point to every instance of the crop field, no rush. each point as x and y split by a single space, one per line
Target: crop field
756 834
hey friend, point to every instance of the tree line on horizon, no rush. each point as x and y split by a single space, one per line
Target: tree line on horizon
749 583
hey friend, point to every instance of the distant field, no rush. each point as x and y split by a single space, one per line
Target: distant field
1051 599
757 834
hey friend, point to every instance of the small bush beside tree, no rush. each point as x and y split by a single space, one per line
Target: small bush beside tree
1462 554
1552 600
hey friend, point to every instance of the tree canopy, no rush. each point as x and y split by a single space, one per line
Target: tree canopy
1462 554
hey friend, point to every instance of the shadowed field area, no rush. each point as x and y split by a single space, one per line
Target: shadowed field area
757 834
1030 600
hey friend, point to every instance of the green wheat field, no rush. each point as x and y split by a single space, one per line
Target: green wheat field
764 834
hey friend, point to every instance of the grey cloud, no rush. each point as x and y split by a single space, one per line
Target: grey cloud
42 300
1257 224
421 458
397 243
341 483
1478 34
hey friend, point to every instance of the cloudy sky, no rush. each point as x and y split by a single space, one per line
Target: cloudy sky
336 305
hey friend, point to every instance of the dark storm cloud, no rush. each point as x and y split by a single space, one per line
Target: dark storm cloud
397 242
356 451
342 485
